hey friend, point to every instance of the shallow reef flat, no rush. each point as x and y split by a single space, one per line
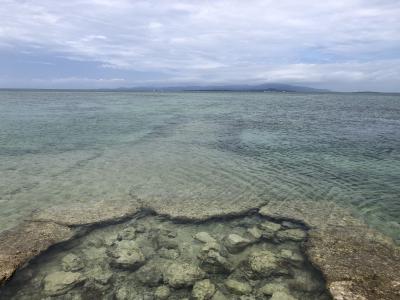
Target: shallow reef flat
139 250
153 257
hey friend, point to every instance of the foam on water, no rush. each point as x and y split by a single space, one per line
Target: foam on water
61 147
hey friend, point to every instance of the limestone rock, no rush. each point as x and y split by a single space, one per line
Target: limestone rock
100 275
271 288
140 228
235 243
238 287
128 233
72 263
16 249
291 225
162 292
255 233
269 229
88 213
126 255
213 246
247 297
265 263
304 281
123 293
291 257
205 237
182 274
212 261
342 290
150 274
219 296
167 232
356 261
168 253
296 235
203 290
59 283
282 296
163 241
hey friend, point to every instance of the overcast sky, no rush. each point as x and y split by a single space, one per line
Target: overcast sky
337 44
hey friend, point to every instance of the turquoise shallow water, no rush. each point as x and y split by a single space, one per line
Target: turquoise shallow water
61 147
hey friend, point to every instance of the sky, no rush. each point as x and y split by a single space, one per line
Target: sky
343 45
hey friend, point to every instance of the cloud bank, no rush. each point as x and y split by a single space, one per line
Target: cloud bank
343 45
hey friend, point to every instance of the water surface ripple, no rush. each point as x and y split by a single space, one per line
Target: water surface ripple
60 147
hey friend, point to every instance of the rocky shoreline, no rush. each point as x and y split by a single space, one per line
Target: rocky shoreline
167 252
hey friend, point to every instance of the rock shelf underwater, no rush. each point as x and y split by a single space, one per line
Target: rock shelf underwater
134 250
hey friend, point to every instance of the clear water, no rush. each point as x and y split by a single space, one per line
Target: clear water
94 251
60 147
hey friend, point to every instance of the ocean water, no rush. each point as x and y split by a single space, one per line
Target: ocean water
64 147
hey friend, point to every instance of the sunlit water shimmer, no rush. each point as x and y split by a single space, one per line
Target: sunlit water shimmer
62 147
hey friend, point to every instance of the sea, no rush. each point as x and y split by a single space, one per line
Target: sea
61 147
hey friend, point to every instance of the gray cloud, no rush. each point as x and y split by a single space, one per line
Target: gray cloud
324 43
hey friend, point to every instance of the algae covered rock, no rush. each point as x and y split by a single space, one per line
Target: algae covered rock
255 232
269 229
126 255
59 283
204 237
304 281
150 274
123 293
167 242
214 262
128 233
235 243
162 292
264 263
203 290
72 263
238 287
295 234
271 288
213 246
182 274
280 295
169 253
219 296
291 257
100 276
211 259
16 249
88 213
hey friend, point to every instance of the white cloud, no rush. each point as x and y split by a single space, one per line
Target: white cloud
210 41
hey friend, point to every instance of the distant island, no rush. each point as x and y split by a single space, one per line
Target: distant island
266 87
281 88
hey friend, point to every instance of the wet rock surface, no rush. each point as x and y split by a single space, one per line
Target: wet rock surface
235 243
88 213
238 287
72 262
126 255
168 260
262 251
356 264
182 274
24 242
265 263
203 290
356 261
59 283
